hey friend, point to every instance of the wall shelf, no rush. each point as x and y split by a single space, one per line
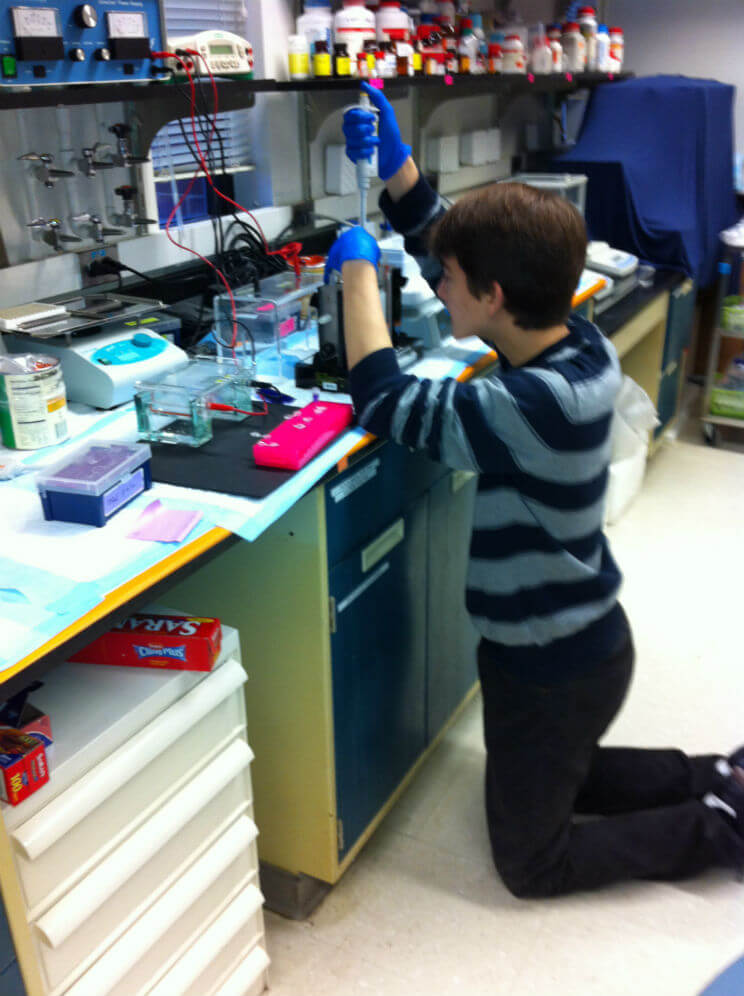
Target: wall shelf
241 93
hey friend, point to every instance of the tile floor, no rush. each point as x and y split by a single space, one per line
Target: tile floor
422 911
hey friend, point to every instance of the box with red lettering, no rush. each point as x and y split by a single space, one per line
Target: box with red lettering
23 765
173 642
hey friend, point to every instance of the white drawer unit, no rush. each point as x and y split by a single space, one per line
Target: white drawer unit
136 868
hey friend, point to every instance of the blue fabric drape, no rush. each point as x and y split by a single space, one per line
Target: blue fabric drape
658 152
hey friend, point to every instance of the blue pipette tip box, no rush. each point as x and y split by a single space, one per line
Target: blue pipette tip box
95 482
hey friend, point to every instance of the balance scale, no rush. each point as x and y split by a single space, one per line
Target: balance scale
101 368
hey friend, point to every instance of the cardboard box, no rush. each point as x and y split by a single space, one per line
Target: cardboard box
23 765
19 714
171 642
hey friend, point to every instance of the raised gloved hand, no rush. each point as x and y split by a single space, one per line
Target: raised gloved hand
353 243
361 141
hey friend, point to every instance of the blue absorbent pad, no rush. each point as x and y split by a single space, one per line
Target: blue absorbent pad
729 983
658 152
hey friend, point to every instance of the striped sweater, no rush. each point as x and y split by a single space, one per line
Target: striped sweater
541 582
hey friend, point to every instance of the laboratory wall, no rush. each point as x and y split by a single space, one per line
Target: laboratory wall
686 37
284 174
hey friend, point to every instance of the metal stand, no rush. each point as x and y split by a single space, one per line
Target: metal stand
732 254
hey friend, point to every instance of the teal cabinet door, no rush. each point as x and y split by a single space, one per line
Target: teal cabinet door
378 661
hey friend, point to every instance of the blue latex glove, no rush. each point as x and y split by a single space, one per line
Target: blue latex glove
354 243
361 141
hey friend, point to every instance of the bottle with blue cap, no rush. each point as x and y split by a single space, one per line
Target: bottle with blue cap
603 49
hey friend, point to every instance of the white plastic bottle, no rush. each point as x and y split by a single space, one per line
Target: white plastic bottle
354 25
574 48
446 12
391 18
316 23
603 49
556 49
589 26
299 57
617 49
541 56
513 58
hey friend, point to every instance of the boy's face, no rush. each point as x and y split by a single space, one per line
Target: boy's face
469 315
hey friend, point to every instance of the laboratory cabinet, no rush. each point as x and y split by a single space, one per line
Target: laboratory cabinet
680 319
355 634
134 870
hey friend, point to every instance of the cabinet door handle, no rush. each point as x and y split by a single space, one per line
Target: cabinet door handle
72 806
203 951
145 933
383 544
81 902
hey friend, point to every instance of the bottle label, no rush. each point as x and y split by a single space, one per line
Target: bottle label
299 64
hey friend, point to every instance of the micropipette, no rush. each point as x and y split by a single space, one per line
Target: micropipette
364 170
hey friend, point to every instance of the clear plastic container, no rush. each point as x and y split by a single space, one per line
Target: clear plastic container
93 483
273 325
572 186
180 407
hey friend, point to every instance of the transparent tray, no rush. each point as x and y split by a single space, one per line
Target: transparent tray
179 408
273 325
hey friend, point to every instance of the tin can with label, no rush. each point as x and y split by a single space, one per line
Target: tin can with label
33 401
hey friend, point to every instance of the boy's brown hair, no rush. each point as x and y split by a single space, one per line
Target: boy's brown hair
531 242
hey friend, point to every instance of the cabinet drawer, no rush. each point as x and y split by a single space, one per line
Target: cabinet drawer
169 928
71 857
369 495
89 918
235 932
248 977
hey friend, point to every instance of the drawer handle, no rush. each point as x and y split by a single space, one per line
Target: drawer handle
204 950
383 544
144 933
460 478
46 827
246 974
83 900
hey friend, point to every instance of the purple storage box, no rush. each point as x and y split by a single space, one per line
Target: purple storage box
95 482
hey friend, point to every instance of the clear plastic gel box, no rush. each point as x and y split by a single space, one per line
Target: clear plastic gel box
92 484
270 322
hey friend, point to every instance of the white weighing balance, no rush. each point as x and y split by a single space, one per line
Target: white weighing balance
101 368
600 256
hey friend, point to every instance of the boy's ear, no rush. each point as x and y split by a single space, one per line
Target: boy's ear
495 297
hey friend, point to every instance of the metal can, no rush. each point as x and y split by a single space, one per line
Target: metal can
33 401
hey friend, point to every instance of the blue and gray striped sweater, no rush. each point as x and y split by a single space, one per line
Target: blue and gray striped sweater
542 582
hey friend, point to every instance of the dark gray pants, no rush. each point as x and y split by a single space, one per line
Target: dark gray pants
544 766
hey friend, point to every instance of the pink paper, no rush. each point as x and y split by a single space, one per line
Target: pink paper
162 525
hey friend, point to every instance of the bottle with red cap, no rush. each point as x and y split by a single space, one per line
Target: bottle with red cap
354 25
495 60
617 49
512 54
574 48
389 18
556 49
446 12
589 28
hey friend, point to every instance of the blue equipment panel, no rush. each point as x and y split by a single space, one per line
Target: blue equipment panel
64 41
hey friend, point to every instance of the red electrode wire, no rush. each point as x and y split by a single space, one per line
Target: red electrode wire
289 252
187 191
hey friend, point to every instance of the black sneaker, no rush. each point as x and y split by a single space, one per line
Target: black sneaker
736 760
729 795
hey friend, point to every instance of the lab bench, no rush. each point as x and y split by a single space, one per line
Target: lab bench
352 626
351 611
